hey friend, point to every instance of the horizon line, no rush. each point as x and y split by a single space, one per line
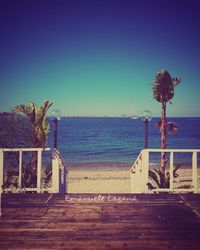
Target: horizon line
114 116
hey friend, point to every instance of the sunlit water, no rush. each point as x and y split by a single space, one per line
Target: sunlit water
118 139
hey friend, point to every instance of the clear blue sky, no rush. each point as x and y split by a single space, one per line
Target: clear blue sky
99 57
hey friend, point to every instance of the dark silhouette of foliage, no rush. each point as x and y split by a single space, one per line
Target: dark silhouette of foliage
39 124
163 92
15 131
157 180
26 127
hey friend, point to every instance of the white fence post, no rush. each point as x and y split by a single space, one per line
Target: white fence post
139 173
194 171
171 171
1 176
136 175
59 173
39 168
20 170
55 173
145 170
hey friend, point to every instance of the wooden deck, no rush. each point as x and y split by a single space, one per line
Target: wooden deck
44 221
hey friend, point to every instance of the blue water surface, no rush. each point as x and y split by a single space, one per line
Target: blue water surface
118 139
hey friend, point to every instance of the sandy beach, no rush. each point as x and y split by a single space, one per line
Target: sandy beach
103 178
99 178
99 181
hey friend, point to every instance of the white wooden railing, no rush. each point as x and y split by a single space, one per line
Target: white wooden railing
59 172
39 167
139 172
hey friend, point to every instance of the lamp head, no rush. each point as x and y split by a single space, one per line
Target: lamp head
56 114
146 115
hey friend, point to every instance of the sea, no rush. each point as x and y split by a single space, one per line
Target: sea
118 140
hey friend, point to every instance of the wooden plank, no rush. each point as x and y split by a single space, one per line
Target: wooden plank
21 225
105 244
20 199
91 229
150 222
101 233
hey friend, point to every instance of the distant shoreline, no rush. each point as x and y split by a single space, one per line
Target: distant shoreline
105 116
93 166
130 117
104 166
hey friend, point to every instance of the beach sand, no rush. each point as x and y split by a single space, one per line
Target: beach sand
99 181
111 179
99 178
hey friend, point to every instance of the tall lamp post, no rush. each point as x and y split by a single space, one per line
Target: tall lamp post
146 117
56 114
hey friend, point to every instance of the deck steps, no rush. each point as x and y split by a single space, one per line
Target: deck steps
44 221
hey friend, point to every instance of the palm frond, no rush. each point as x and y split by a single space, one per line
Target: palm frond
172 127
37 117
163 89
176 81
155 177
20 109
32 107
176 167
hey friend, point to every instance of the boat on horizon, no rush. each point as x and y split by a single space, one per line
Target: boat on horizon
134 117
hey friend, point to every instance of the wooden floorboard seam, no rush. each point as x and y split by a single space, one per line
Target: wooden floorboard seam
190 206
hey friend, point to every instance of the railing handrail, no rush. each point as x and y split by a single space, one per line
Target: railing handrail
143 160
20 150
172 150
24 149
137 159
38 187
58 169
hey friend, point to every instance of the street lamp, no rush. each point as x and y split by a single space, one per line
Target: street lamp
146 117
56 114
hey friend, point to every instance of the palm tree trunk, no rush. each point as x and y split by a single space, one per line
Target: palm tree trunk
163 142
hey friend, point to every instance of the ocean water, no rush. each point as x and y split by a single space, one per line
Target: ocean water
118 140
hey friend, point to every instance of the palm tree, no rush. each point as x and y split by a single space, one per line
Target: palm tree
39 125
37 117
163 91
